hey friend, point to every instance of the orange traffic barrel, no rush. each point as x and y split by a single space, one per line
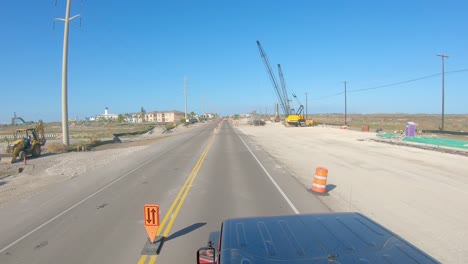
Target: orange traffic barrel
320 180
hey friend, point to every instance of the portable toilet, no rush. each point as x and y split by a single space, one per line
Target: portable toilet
410 130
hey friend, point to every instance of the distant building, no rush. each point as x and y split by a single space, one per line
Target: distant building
132 118
164 116
209 115
105 116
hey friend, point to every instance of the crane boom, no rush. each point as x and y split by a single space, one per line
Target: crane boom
273 80
285 92
301 107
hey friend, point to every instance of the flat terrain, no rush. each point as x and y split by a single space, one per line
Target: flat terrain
395 122
95 216
95 198
419 194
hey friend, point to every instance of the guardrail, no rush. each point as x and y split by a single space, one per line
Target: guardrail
47 136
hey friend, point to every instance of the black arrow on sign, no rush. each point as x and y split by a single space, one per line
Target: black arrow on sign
148 213
154 219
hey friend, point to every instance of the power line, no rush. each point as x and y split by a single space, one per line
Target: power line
392 84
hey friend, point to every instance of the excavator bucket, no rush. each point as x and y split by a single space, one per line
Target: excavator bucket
6 158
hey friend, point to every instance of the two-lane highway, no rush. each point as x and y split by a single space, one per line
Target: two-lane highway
198 179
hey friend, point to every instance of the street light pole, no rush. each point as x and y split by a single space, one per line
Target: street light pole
65 137
66 20
443 56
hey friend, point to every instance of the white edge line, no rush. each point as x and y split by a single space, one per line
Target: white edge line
269 176
89 197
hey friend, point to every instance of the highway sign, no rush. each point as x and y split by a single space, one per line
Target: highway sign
151 220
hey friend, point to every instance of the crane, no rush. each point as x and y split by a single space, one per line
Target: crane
273 80
283 85
285 92
292 118
301 106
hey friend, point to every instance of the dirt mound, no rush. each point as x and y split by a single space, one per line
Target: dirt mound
55 148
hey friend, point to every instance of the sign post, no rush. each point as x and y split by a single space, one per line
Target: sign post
151 220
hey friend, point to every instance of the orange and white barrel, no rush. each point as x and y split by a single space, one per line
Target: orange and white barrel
320 180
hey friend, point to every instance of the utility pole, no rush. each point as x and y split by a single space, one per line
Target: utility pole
277 115
443 56
306 108
345 102
185 94
203 107
66 20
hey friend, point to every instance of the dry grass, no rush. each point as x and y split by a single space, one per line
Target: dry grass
84 130
391 122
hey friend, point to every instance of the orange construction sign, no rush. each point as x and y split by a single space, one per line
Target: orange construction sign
151 219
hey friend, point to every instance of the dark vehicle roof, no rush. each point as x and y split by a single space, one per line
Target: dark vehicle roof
314 238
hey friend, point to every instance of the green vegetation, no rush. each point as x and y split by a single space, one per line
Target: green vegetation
142 114
120 118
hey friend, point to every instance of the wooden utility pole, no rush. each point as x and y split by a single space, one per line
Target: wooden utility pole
443 56
345 106
306 109
185 95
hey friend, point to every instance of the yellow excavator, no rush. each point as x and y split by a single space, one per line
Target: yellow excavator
27 142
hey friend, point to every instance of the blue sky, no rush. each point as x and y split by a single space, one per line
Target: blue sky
132 54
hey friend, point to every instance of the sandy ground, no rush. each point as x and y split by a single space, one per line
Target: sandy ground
48 169
419 194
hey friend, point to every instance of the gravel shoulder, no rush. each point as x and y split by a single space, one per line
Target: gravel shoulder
419 194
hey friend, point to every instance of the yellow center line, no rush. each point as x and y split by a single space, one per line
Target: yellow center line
192 173
152 259
142 259
179 201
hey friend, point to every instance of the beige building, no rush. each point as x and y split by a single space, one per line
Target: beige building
164 116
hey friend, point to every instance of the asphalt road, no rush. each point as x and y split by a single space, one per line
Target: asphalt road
197 179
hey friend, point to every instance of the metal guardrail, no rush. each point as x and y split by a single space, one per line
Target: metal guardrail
47 136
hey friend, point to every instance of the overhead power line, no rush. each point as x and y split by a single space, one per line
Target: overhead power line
392 84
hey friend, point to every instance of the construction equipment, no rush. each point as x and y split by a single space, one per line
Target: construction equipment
27 142
293 118
15 119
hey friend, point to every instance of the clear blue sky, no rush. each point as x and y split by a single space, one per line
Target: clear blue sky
132 54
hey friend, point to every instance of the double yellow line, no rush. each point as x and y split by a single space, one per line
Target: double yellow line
179 201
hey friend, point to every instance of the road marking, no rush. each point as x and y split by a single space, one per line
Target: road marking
89 197
269 176
179 200
142 259
152 259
